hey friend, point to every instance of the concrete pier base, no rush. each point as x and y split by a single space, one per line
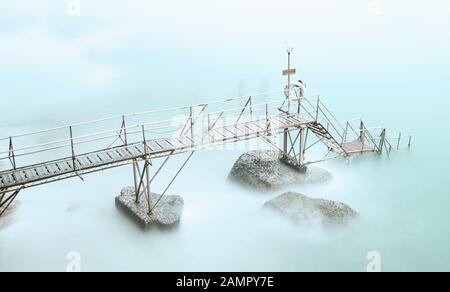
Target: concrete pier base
167 213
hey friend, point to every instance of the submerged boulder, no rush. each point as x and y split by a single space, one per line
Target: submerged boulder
305 210
268 169
166 214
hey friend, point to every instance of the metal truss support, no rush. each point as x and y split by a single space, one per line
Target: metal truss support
6 199
294 147
143 180
172 181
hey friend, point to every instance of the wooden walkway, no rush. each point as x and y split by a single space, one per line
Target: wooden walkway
42 173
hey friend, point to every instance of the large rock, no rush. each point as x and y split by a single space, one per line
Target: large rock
267 169
166 214
305 210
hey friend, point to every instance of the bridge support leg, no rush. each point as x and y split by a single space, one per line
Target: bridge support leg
290 146
301 157
135 179
6 199
285 142
142 182
382 141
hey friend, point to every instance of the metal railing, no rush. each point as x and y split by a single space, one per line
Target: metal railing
121 130
377 140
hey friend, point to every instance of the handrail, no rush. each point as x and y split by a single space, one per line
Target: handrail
322 105
140 125
329 122
74 141
306 108
217 101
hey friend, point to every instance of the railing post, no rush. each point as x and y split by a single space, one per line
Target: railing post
251 109
124 129
209 123
409 142
317 108
362 135
267 117
382 138
344 136
192 123
72 148
398 142
144 141
12 156
361 131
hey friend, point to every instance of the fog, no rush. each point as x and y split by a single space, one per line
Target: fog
384 61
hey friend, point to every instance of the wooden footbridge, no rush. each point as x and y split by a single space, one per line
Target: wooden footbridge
138 139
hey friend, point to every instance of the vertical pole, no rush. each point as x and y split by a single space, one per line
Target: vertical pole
285 142
191 114
72 147
124 129
144 141
136 181
382 139
11 153
149 194
209 123
361 131
409 142
251 109
361 135
301 158
147 175
317 108
267 117
398 142
344 136
289 82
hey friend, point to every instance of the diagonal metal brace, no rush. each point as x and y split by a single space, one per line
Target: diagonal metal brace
171 182
8 201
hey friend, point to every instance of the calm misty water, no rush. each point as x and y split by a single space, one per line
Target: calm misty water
386 61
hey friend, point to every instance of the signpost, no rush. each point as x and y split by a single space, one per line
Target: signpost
288 72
